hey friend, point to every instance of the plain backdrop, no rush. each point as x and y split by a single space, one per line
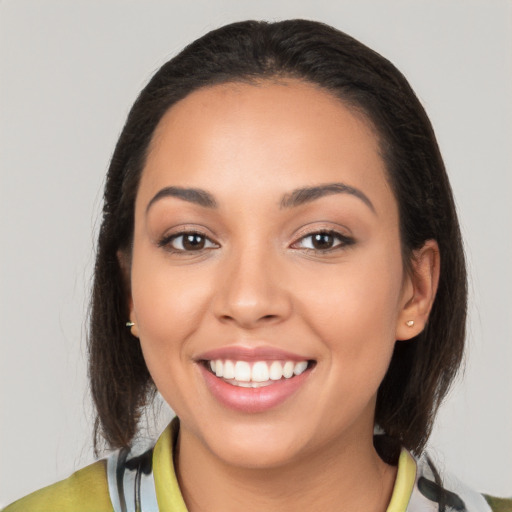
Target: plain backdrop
70 70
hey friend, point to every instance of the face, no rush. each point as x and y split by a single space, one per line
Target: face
267 285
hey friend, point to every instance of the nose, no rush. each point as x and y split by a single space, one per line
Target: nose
253 291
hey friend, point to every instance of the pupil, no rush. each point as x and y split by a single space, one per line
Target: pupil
322 241
193 242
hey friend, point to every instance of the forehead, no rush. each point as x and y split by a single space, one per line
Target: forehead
263 103
267 134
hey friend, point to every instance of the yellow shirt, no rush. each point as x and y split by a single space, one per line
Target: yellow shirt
87 490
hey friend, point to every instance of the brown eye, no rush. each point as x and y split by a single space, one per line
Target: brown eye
324 241
193 242
187 242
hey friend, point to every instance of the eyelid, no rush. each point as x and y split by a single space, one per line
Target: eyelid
344 240
166 240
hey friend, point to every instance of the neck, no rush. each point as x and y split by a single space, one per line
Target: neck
346 475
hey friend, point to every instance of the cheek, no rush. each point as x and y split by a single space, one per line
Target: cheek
354 317
167 304
354 311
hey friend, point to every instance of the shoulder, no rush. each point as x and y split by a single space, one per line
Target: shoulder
83 491
499 504
439 489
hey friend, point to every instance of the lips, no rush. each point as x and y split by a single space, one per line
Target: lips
253 380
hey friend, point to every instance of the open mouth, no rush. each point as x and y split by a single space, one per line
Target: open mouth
256 374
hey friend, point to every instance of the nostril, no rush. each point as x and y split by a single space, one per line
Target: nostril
253 310
239 319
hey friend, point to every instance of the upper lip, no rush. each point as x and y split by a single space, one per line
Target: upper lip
243 353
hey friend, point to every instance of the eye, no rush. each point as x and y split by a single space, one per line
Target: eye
323 241
187 242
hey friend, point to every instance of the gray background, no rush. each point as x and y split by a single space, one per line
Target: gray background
69 70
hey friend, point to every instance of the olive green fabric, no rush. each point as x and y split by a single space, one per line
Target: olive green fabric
499 504
84 491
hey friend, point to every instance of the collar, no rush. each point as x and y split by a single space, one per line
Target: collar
169 495
145 480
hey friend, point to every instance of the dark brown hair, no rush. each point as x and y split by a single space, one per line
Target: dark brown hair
421 369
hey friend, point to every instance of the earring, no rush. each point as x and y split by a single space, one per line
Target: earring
409 323
130 324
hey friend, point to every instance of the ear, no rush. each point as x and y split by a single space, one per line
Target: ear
419 291
125 264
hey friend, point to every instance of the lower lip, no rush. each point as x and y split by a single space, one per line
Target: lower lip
252 400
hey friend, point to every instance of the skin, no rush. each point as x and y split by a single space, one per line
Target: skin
259 281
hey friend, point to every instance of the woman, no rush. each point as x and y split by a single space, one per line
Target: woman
280 258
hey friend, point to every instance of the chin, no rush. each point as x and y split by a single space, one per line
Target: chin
256 445
259 455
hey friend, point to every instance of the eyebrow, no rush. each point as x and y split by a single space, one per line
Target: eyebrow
191 195
304 195
296 198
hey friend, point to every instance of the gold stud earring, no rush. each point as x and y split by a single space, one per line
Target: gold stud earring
130 324
409 323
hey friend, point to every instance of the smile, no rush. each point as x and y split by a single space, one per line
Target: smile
255 374
254 380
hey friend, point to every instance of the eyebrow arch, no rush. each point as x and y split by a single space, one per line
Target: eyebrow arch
307 194
191 195
296 198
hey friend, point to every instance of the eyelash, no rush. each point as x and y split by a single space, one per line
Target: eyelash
344 241
167 241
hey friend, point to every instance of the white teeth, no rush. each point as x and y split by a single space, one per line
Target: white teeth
242 371
276 370
260 373
300 367
288 369
229 370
